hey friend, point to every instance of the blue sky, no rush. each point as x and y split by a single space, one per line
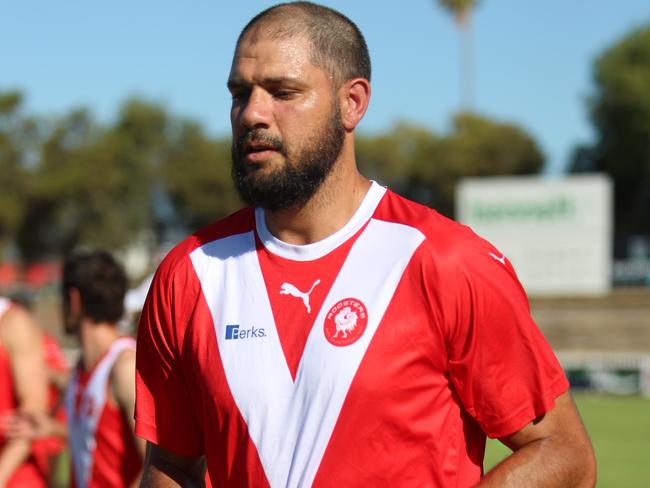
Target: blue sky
532 59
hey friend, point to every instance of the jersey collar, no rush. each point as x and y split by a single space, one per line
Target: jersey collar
315 250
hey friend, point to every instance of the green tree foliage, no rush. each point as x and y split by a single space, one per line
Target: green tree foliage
91 186
427 167
478 146
16 135
393 156
620 112
460 9
196 177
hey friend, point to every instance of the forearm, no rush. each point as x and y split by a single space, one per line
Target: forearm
541 463
13 454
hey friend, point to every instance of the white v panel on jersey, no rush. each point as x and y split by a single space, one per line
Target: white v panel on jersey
291 423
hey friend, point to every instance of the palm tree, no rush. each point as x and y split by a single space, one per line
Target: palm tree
462 10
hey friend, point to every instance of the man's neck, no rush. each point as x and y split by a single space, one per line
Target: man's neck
96 340
331 207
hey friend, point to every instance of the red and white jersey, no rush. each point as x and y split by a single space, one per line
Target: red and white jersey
102 447
380 356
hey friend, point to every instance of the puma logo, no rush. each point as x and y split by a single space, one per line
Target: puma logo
501 259
289 289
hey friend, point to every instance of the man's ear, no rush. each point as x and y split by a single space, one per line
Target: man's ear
354 99
74 302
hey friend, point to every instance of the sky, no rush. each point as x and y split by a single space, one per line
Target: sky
533 59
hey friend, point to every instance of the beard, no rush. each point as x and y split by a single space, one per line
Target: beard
304 170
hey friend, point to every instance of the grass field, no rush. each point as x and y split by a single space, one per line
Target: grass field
620 431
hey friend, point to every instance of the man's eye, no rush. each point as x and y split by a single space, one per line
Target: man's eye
239 95
284 94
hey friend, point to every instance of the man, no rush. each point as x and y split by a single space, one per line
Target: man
336 334
101 395
23 387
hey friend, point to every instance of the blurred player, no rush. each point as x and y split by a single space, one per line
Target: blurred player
101 393
23 388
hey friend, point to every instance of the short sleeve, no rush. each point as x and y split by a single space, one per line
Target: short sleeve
164 410
500 364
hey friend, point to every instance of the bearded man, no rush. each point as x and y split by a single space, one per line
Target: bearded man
240 362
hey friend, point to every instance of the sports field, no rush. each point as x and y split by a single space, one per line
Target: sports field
620 430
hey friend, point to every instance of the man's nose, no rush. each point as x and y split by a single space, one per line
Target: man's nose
256 111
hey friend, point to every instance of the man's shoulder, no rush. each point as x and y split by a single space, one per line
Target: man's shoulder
237 223
17 325
123 366
448 248
441 233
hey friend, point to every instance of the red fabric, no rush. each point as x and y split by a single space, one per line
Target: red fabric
7 394
27 476
290 314
456 356
8 274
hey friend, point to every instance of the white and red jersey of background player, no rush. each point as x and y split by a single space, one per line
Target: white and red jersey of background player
102 447
380 356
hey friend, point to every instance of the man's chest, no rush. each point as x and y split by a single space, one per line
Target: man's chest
290 391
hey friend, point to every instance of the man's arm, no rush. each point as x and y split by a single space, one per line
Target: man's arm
123 383
163 469
24 345
554 450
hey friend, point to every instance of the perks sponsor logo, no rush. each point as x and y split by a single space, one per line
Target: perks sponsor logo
236 332
345 322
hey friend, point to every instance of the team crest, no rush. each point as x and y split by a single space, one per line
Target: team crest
345 322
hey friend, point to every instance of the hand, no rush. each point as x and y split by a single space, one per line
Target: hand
21 425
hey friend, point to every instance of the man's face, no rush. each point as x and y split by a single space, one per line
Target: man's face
286 124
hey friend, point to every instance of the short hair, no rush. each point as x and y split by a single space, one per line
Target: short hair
337 44
101 282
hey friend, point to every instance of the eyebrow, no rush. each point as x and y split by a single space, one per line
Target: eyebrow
235 83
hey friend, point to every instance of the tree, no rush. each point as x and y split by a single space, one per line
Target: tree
620 113
462 13
196 178
92 184
476 146
391 157
18 136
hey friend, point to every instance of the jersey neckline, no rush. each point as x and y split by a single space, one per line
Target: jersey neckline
315 250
